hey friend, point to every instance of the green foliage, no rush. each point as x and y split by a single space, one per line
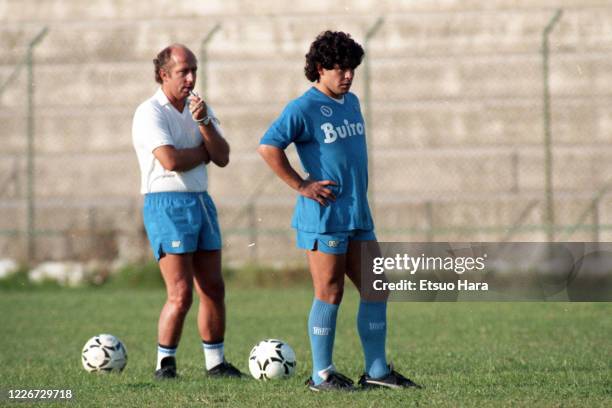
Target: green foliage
19 281
132 276
146 275
261 276
466 354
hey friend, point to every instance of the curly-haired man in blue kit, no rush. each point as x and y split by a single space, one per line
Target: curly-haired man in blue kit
332 217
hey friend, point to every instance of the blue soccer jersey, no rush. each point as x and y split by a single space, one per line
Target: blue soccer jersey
330 140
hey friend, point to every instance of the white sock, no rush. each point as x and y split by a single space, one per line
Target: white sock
324 373
163 352
213 354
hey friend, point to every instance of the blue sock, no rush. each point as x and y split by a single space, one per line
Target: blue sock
372 327
321 330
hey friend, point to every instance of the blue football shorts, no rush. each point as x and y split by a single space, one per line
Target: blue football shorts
181 222
335 243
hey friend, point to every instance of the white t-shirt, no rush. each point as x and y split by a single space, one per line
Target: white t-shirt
158 123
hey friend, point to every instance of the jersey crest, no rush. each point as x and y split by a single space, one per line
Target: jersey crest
326 111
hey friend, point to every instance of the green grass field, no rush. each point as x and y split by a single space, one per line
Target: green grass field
466 354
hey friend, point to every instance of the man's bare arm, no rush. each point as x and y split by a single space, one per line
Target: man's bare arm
279 163
173 159
216 145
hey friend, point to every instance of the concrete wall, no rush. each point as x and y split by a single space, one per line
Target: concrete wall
457 127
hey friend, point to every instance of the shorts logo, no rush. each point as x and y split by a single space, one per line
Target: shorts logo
332 243
176 244
326 111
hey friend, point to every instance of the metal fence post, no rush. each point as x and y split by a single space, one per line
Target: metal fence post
429 216
253 233
595 210
204 57
203 68
31 239
548 157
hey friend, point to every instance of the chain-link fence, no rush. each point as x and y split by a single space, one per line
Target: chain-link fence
466 139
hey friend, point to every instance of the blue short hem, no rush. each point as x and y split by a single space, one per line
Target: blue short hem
334 243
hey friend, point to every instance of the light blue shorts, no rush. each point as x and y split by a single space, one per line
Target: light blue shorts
334 242
181 222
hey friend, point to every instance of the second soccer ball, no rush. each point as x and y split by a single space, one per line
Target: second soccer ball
271 359
104 353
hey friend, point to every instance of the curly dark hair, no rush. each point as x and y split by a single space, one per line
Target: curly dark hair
329 49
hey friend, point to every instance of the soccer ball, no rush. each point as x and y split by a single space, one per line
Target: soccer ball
271 359
104 353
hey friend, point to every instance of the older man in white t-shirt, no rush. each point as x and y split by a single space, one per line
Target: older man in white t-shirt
175 136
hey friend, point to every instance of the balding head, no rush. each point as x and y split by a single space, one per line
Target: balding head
168 57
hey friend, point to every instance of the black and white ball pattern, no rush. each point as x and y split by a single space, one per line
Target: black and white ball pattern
104 353
271 359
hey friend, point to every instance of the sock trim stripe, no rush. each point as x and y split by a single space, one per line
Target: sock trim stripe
171 346
212 346
166 350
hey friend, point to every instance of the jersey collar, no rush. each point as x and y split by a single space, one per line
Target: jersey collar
161 97
338 101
